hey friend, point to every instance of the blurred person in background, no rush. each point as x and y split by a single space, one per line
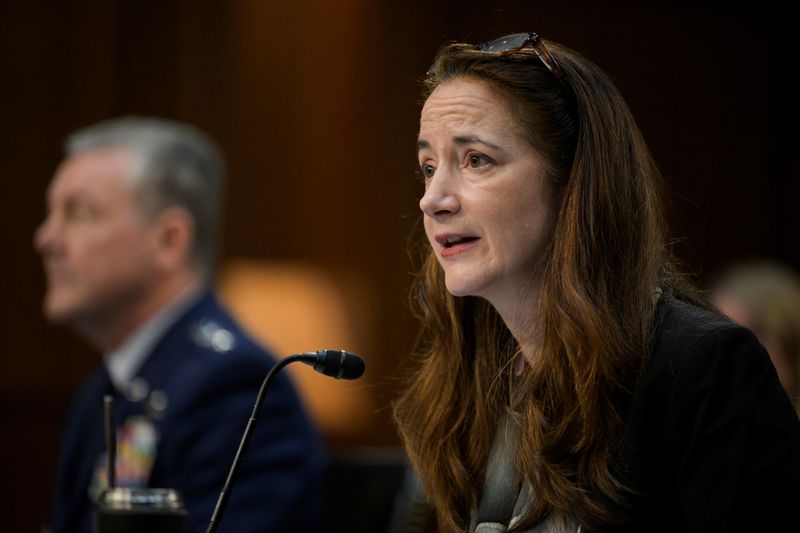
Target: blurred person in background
764 296
568 377
129 247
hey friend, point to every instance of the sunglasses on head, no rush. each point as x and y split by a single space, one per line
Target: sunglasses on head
516 42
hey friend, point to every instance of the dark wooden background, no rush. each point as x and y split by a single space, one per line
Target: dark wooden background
315 105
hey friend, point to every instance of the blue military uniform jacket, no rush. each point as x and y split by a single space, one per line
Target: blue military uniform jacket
181 424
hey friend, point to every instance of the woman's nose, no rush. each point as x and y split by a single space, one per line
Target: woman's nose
441 196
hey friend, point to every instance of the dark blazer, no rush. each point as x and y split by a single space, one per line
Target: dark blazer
201 380
715 439
714 442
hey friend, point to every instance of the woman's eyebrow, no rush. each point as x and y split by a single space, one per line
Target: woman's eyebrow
461 140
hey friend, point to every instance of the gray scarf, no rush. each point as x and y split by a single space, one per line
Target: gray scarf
503 503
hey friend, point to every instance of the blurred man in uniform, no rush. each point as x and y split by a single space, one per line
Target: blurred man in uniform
129 249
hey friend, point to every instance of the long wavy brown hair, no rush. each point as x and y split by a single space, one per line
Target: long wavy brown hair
598 281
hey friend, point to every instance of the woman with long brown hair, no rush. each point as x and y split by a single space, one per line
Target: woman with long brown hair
567 377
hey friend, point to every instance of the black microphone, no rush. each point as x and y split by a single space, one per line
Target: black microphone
335 363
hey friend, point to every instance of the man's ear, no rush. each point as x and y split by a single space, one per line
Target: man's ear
173 237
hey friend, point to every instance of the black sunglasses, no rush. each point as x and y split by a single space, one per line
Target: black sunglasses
517 41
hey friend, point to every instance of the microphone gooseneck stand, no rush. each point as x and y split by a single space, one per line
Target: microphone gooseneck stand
335 363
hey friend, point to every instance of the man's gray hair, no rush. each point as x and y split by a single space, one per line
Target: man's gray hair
174 165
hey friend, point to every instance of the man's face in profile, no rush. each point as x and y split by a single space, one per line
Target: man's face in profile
95 244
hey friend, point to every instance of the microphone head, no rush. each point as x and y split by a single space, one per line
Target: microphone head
339 364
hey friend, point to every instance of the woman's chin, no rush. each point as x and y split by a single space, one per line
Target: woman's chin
463 288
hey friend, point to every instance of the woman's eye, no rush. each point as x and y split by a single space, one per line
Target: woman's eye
477 160
427 171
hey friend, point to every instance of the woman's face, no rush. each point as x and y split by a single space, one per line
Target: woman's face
487 210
